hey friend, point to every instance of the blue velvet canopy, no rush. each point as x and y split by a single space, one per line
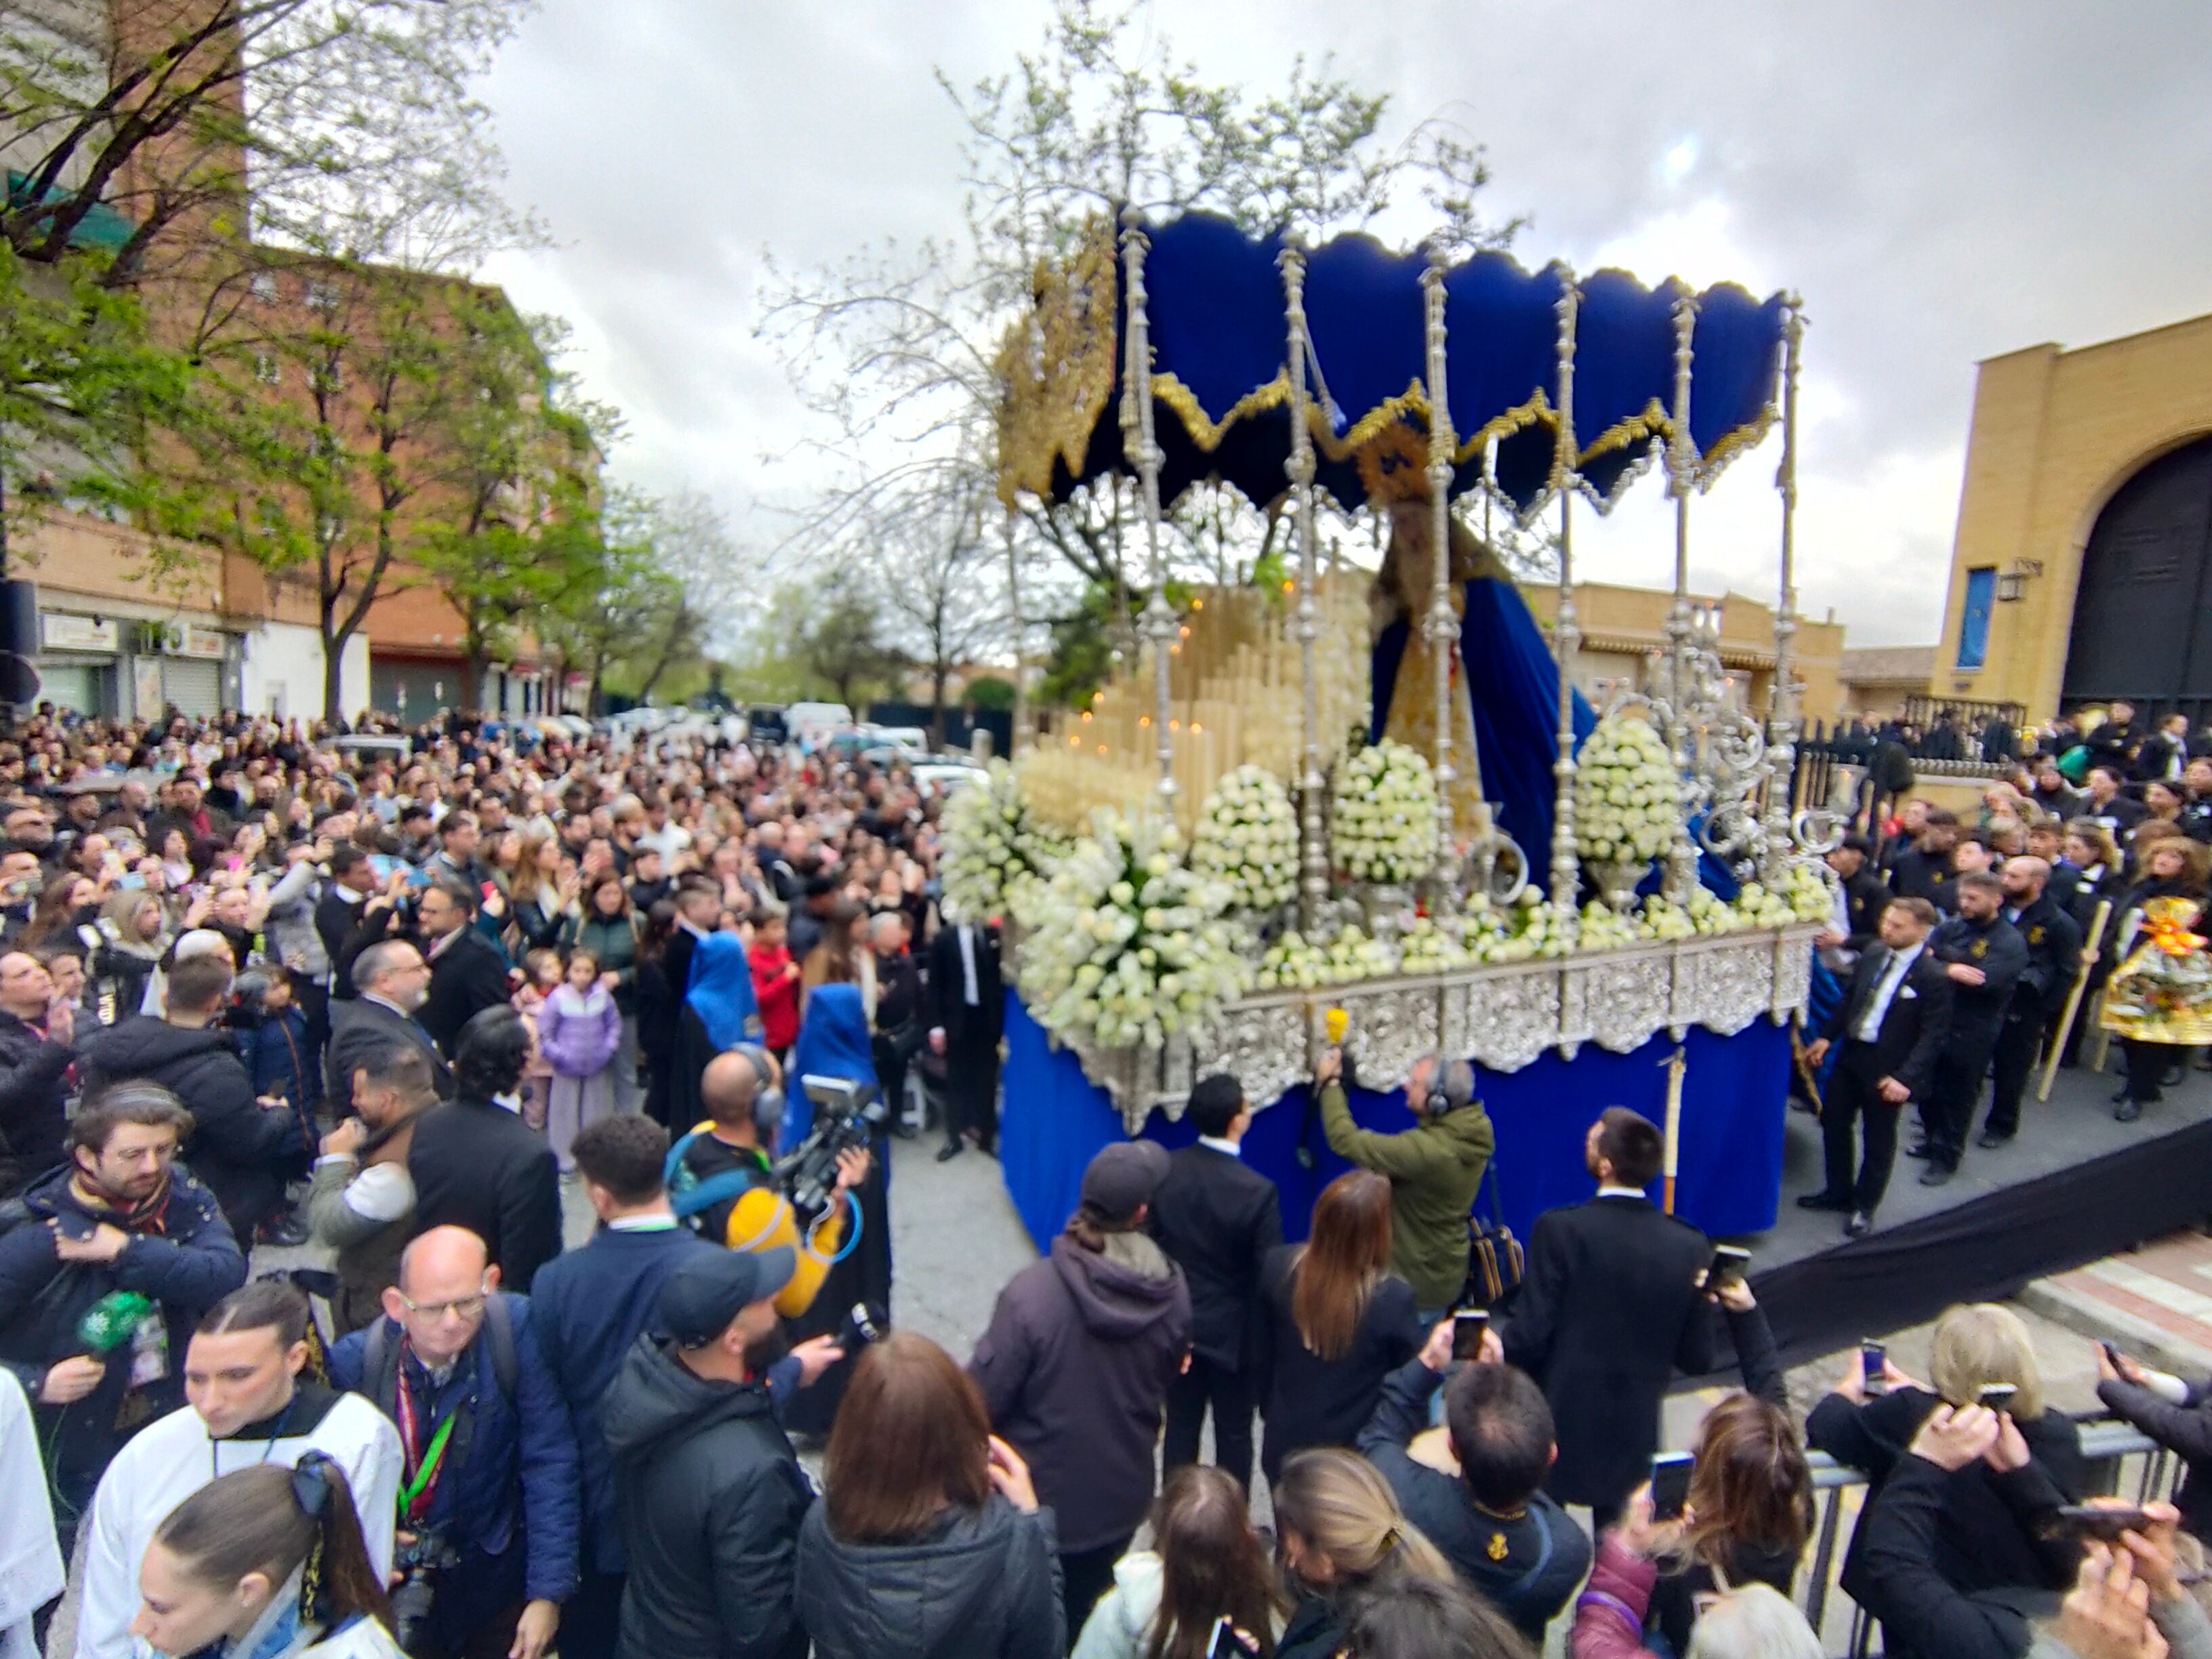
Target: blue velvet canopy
1222 391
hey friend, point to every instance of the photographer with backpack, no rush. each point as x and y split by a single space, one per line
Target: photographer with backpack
488 1499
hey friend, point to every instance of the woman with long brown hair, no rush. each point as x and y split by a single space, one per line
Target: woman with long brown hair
266 1561
842 957
1205 1564
928 1543
1335 1322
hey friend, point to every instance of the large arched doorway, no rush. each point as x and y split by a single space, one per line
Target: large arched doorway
2142 629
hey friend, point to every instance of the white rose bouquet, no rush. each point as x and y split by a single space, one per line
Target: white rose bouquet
1756 907
994 853
1665 919
1248 837
1433 947
1627 797
1382 824
1604 928
1294 963
1126 944
1806 887
1527 930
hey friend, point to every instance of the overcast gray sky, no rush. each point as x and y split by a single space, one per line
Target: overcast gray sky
1940 182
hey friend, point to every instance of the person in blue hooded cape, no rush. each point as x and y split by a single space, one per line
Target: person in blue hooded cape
834 1042
719 1013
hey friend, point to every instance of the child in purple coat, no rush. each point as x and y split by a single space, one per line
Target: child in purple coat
578 1030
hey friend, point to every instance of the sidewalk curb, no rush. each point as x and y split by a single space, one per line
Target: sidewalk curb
2135 1337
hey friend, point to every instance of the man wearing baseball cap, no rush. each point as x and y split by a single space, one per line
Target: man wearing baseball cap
708 1490
1076 1362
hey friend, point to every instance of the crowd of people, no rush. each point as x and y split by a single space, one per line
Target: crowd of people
1957 946
428 1013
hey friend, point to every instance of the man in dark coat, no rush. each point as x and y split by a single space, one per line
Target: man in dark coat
588 1308
476 1164
1984 956
1217 1218
149 1227
451 1348
901 1027
1892 1022
468 972
968 1007
1077 1361
36 1029
1611 1307
390 980
2054 952
242 1150
1508 1539
1866 895
709 1488
353 878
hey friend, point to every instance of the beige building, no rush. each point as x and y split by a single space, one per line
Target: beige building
2082 567
1878 678
1624 629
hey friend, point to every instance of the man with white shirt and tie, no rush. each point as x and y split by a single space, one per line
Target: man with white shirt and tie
1892 1025
969 1006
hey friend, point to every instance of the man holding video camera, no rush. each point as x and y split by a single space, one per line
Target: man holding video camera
723 1184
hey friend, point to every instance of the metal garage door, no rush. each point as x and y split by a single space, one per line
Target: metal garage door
192 687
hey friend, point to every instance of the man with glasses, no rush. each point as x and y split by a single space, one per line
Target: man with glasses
389 982
121 1217
488 1496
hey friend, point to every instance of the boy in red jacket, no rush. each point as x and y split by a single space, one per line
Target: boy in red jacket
775 983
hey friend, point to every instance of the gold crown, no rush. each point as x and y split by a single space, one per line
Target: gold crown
1393 464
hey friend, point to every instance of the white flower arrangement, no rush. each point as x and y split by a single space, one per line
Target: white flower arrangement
1806 889
1628 801
994 853
1664 920
1527 930
1248 837
1293 963
1430 946
1125 944
1382 824
1756 907
1604 928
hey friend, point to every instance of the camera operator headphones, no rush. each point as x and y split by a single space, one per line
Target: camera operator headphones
768 1095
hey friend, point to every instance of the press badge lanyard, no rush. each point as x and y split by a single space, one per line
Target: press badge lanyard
415 1495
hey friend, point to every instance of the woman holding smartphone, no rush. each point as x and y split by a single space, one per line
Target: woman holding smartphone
1205 1567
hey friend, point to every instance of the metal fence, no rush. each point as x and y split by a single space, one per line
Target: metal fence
2119 1460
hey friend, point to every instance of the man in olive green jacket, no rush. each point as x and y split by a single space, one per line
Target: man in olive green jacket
1435 1169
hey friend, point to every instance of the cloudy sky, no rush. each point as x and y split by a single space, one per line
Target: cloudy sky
1940 182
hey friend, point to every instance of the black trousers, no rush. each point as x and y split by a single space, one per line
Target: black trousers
591 1620
1230 1394
971 1089
2019 1044
2146 1064
1854 1094
1084 1576
1949 1111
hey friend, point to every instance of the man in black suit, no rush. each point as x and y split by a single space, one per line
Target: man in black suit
2105 804
337 913
468 972
1612 1305
476 1164
390 980
1866 896
969 1008
1217 1219
1923 869
2054 952
1984 957
2164 753
1892 1026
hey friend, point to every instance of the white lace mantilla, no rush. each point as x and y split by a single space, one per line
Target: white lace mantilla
1503 1016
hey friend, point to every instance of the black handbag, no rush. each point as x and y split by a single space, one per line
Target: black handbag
1494 1258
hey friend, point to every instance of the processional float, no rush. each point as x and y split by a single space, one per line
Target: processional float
1186 352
